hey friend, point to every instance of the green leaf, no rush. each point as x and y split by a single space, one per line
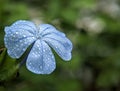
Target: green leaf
8 67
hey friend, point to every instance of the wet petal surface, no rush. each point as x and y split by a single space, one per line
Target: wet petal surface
45 29
17 40
25 25
41 59
60 44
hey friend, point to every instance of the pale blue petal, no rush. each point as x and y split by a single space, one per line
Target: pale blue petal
41 59
45 29
25 25
62 45
17 40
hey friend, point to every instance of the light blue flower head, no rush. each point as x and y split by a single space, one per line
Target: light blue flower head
20 35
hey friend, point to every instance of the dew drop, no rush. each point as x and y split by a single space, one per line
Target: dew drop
43 50
41 67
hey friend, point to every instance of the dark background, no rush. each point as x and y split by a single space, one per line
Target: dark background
93 26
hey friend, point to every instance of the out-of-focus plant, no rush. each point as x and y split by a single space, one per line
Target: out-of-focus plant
8 67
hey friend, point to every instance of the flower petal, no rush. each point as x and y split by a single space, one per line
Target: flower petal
45 29
61 44
17 40
41 59
25 25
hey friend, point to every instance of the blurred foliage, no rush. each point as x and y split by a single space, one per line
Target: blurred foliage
94 28
8 67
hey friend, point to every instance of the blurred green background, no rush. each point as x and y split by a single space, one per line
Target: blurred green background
94 28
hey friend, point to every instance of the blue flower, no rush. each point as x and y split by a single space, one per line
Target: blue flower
20 35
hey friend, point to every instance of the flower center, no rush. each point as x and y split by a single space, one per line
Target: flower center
38 35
